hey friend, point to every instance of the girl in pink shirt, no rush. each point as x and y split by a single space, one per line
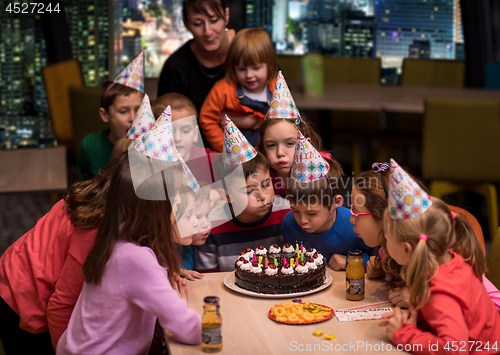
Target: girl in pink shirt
127 283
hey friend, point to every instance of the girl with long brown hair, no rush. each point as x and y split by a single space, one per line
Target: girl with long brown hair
131 275
31 268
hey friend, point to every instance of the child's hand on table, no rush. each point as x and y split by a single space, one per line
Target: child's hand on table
180 285
400 297
374 268
397 319
337 262
191 275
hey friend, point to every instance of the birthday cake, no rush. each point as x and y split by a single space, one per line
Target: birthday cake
279 270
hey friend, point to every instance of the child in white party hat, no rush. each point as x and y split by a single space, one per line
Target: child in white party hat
444 290
143 120
256 213
120 102
318 218
278 134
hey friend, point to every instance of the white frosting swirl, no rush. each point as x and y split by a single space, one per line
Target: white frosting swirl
311 265
319 259
260 251
287 271
302 269
271 272
273 250
239 262
288 250
248 255
310 253
256 269
246 266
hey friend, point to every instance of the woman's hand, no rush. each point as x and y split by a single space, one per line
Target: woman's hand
248 121
397 319
180 285
191 275
337 262
374 268
400 297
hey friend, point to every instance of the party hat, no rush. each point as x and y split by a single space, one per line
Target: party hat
308 165
133 74
282 104
158 143
406 198
237 149
143 120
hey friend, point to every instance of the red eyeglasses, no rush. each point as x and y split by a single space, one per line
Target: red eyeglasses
354 215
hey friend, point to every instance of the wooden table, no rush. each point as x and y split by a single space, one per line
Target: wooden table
247 328
33 169
382 98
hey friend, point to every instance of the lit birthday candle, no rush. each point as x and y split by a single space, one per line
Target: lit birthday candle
276 262
301 248
291 262
266 262
254 258
260 261
284 261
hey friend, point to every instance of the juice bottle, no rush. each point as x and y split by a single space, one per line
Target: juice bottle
211 322
355 276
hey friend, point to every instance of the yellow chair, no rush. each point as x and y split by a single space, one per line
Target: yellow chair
433 73
85 104
58 77
461 149
493 262
351 127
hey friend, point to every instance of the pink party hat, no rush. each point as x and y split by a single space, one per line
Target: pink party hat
308 165
142 121
133 74
282 104
158 143
237 149
406 198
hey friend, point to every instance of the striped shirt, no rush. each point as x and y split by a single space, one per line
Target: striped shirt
222 248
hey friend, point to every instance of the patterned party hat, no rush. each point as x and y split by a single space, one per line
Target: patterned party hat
406 198
158 143
237 149
143 120
308 165
133 74
282 104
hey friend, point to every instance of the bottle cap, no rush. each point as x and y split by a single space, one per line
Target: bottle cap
355 252
211 299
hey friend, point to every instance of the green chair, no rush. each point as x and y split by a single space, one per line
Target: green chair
493 261
433 73
290 67
352 128
461 149
85 104
404 130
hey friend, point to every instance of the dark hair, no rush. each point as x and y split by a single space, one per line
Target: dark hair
175 100
250 167
110 90
253 46
324 190
371 187
129 218
200 6
307 129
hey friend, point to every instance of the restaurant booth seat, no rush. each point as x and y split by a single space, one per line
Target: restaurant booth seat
493 261
460 149
58 78
353 128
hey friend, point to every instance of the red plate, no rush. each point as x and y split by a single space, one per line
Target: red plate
311 322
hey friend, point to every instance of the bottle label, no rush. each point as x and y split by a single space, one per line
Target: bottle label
211 336
355 286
